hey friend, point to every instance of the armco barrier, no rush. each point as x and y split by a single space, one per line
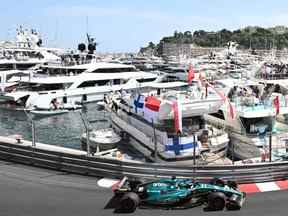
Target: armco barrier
97 166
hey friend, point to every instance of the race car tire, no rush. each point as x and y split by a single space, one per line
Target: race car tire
232 184
234 203
218 182
128 203
216 201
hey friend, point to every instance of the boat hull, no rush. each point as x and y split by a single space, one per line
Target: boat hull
145 145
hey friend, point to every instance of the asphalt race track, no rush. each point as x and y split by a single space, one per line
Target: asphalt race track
31 191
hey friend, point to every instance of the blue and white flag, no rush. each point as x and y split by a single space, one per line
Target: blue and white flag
183 145
139 103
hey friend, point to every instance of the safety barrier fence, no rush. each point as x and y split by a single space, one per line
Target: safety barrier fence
103 167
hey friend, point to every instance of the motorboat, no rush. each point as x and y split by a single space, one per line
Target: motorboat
103 139
249 116
55 109
44 113
89 86
26 52
150 123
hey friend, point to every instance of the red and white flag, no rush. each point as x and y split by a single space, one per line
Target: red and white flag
201 78
191 74
151 108
276 104
231 110
177 111
225 100
222 95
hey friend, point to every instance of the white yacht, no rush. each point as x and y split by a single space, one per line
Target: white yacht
250 118
89 86
148 122
26 52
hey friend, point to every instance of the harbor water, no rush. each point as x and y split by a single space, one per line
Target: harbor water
61 130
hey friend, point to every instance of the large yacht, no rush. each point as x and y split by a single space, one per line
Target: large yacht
250 117
96 80
26 52
168 125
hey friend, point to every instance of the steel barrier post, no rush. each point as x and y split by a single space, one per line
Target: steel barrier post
194 150
270 146
155 141
194 156
87 128
33 134
88 141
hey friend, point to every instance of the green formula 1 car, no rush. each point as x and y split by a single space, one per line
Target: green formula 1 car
177 193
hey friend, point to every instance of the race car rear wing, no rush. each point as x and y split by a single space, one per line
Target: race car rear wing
119 184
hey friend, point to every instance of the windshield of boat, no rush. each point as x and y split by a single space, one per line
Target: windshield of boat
257 126
253 92
190 125
53 71
15 76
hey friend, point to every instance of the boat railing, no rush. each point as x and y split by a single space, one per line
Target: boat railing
246 104
216 132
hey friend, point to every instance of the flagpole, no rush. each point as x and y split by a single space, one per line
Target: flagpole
155 141
194 151
270 146
194 158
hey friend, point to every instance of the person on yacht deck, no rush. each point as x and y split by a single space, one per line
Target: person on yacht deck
54 104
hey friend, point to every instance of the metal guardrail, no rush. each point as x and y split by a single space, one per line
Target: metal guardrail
97 166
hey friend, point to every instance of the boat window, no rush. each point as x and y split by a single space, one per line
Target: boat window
257 126
219 85
219 115
179 71
60 71
6 67
116 82
75 71
114 70
170 78
44 87
65 99
18 76
93 83
24 66
146 80
84 98
103 82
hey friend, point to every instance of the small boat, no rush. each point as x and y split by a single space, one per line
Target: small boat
71 107
48 112
105 138
100 105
